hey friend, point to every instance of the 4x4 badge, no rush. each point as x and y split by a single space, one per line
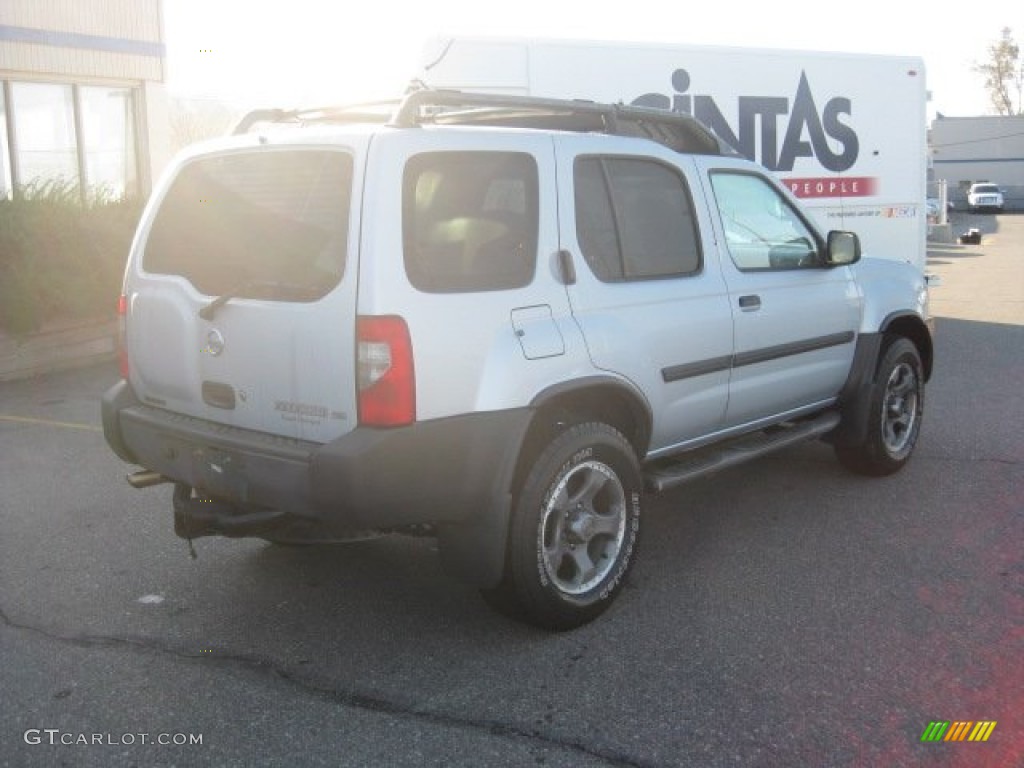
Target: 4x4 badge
214 342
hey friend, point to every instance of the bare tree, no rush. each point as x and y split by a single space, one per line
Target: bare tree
194 120
1004 75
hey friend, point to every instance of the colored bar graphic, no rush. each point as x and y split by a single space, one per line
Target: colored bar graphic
958 730
982 730
935 731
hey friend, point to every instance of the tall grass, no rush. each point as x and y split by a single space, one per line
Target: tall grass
62 258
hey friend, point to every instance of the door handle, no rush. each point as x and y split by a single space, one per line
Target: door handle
750 303
566 270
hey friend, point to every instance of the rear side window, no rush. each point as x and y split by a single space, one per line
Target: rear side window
634 219
266 225
469 221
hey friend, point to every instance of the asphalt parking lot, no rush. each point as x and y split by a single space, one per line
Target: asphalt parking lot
785 613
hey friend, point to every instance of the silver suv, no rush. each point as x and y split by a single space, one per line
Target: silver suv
498 321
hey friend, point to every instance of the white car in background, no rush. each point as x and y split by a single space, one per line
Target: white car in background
984 195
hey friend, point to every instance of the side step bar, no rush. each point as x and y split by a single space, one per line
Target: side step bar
673 471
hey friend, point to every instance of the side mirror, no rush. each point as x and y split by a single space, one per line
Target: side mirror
843 248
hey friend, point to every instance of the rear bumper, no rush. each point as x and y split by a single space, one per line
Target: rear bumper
444 471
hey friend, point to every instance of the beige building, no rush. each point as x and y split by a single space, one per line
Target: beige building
81 94
987 148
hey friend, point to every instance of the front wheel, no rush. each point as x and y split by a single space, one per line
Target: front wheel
574 530
895 410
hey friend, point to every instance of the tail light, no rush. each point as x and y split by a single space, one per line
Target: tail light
122 323
384 370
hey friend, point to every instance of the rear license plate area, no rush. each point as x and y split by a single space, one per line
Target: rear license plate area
220 473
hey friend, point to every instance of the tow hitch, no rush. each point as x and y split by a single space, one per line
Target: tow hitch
198 516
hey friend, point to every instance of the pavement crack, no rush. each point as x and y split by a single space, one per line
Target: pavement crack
348 698
970 459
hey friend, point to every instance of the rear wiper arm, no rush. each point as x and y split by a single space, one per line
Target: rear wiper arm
207 312
210 309
233 292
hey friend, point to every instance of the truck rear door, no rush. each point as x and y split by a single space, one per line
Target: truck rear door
241 292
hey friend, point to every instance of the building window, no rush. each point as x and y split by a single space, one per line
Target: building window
44 131
108 140
6 183
76 136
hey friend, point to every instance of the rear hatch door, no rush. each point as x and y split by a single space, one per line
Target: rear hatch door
241 291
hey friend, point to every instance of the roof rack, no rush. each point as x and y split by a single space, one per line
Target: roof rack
366 112
675 130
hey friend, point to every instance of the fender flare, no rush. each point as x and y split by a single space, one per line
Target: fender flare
474 551
629 393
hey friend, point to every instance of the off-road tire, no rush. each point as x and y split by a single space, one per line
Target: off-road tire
895 410
574 530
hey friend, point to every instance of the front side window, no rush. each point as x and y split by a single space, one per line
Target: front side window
634 219
762 230
469 221
265 225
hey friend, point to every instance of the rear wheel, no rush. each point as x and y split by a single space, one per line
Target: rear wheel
573 531
895 411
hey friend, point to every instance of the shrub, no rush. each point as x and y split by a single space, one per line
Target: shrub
62 258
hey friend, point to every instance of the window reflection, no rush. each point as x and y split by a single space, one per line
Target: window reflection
6 183
762 231
51 144
44 130
108 140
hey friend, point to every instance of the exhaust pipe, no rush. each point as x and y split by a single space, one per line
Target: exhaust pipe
146 478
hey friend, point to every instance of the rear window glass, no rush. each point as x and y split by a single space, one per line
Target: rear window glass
469 221
266 225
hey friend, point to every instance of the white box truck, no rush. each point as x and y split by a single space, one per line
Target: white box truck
845 132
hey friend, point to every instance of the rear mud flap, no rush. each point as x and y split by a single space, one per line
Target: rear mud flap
474 552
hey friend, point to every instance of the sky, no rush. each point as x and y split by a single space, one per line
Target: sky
314 52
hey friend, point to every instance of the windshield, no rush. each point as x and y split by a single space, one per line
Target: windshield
267 224
985 189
